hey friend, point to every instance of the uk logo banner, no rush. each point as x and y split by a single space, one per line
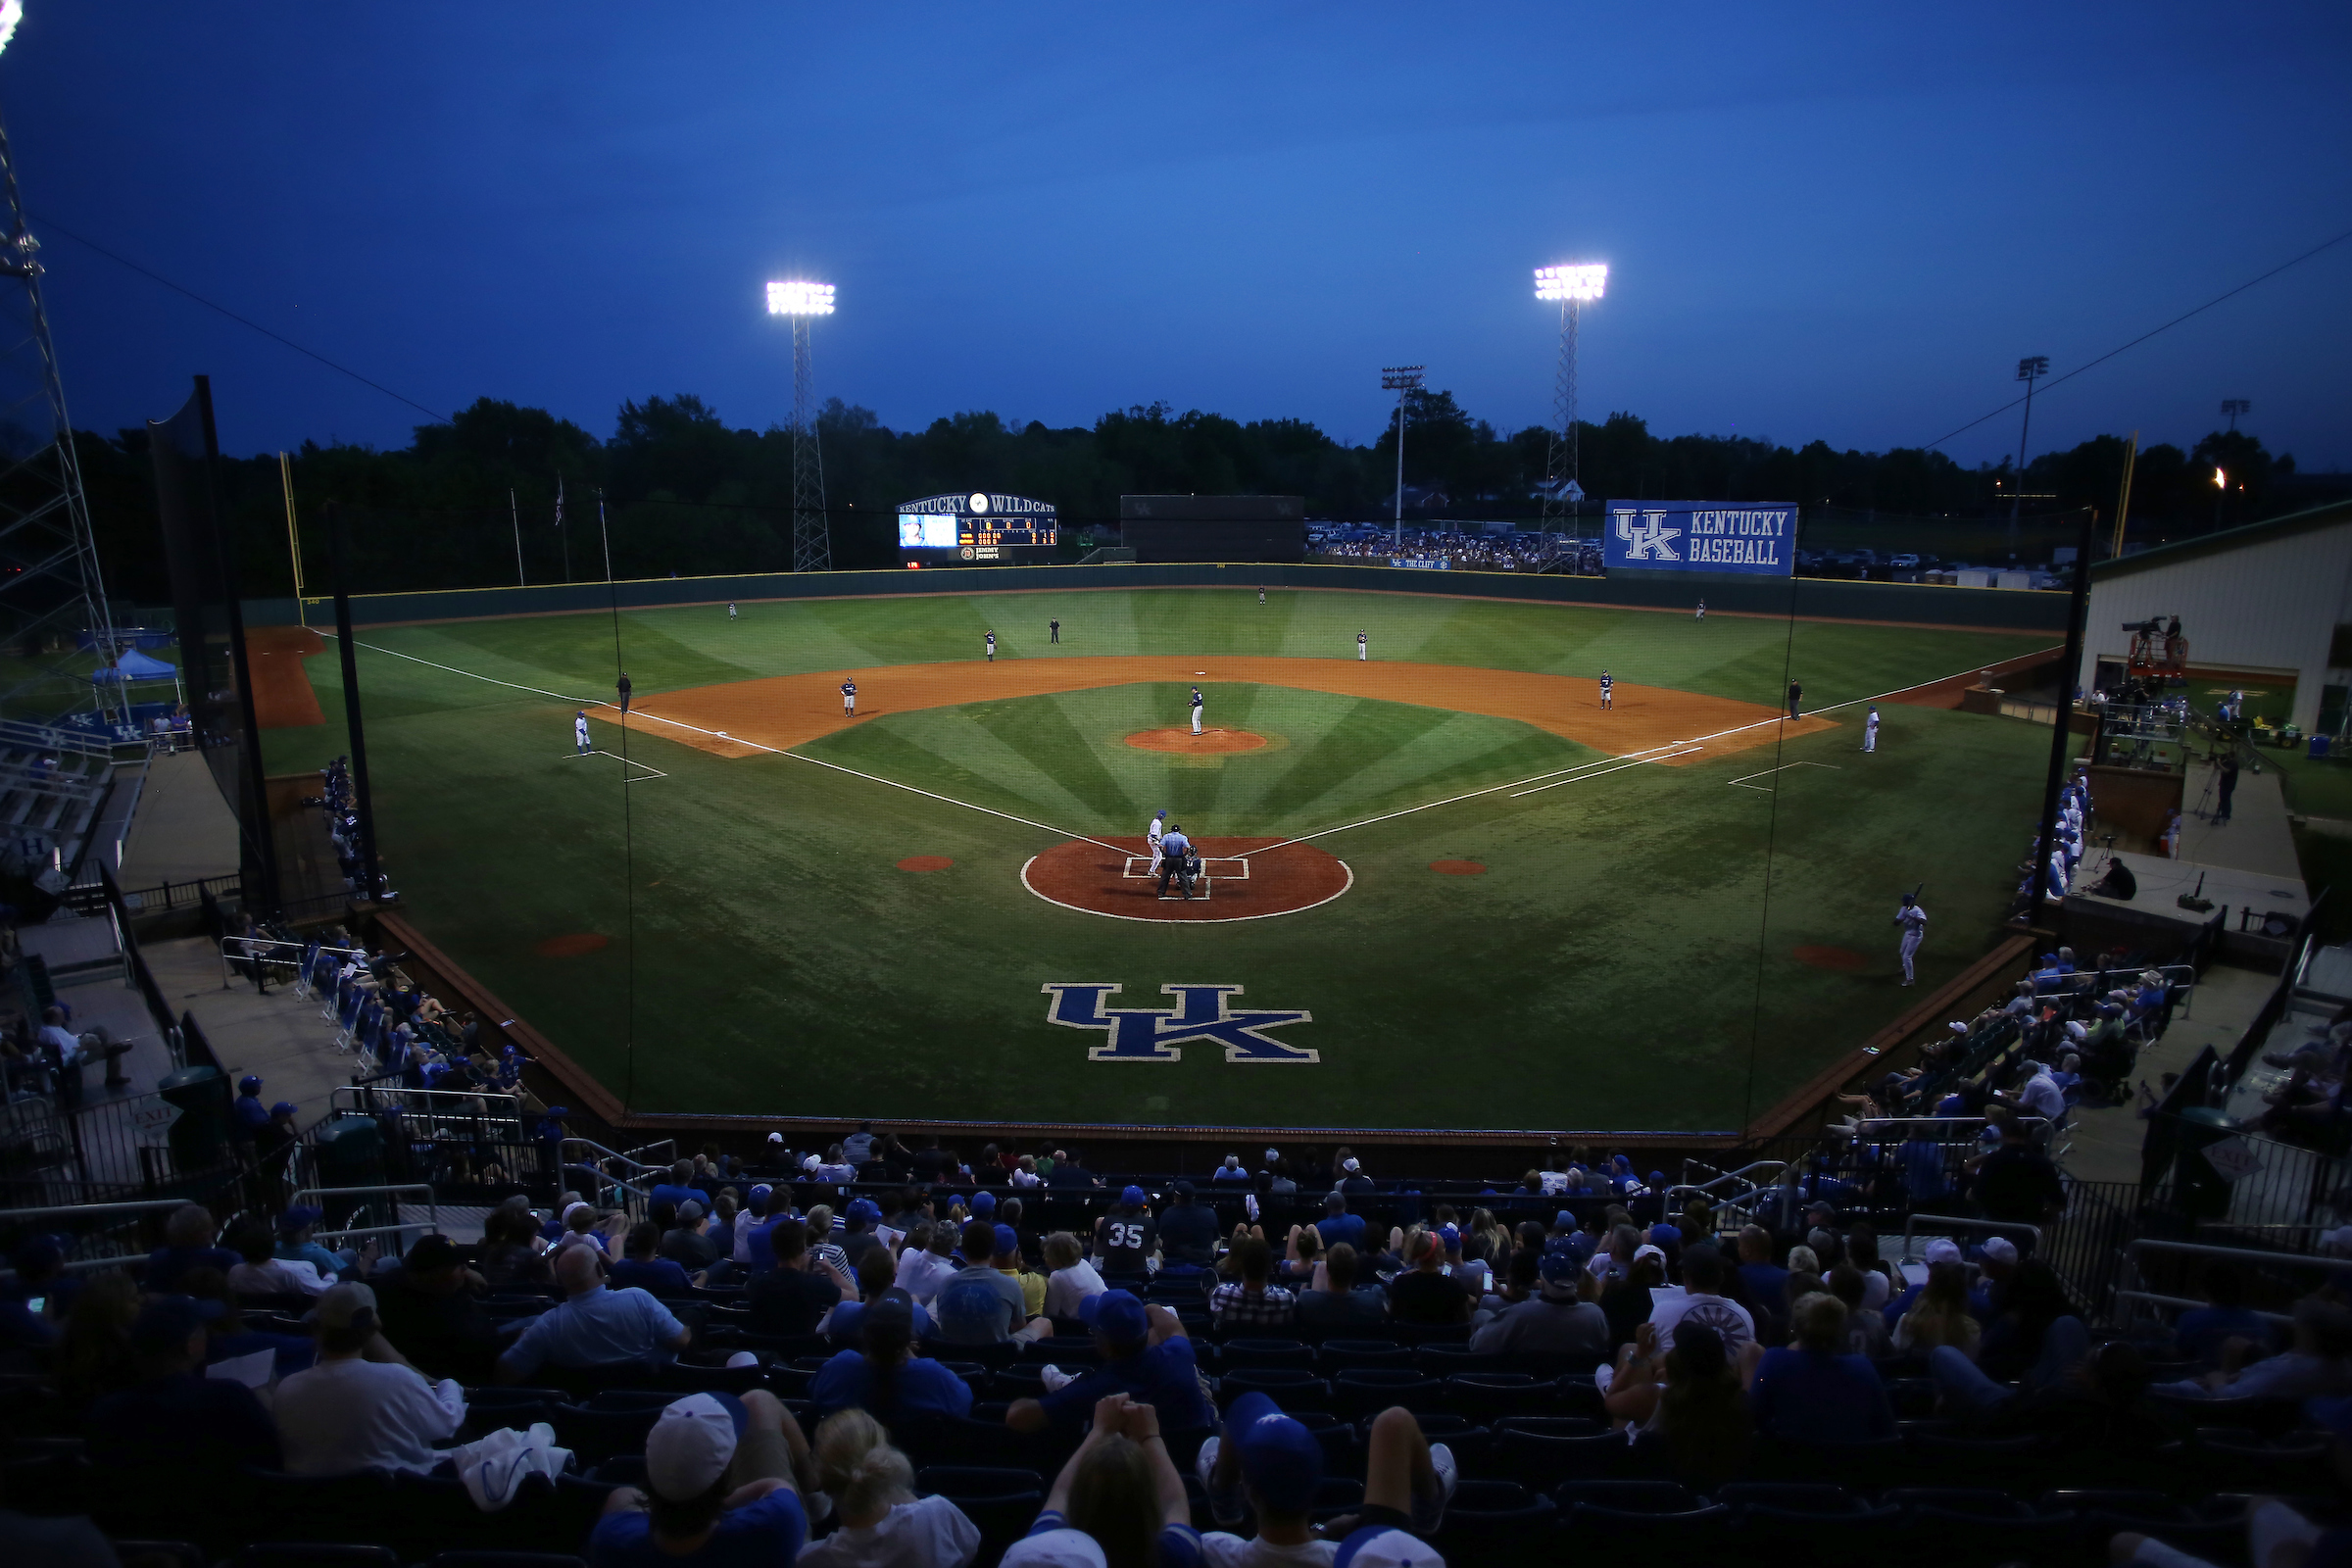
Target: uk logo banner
1754 539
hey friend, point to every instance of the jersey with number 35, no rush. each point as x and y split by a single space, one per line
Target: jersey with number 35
1123 1240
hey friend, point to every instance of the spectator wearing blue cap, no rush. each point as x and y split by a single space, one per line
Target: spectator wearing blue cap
1555 1321
754 1218
1263 1462
249 1114
980 1304
295 1245
882 1375
177 1427
1126 1238
1146 1356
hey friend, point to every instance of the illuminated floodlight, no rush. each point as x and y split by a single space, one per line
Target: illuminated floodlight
799 299
11 12
1579 283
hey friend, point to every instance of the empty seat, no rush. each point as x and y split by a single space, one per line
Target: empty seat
1001 1502
1490 1397
1336 1355
1497 1521
1287 1386
1364 1391
1541 1451
504 1559
1453 1360
1827 1521
315 1554
1234 1354
1973 1524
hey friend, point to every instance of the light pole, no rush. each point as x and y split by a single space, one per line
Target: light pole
811 544
2029 369
2233 406
1578 283
1404 380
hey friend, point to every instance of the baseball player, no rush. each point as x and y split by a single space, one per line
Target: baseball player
1795 692
1870 729
622 686
1607 689
1196 709
1261 596
579 731
1152 834
1363 648
1702 609
1914 921
1175 861
1054 627
849 698
991 647
730 610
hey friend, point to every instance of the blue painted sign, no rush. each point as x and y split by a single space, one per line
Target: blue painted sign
1752 538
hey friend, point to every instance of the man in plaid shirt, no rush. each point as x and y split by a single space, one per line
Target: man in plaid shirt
1250 1301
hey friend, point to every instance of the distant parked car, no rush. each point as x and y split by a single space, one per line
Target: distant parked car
1906 561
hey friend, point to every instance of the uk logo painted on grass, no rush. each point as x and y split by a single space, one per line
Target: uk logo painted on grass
1156 1034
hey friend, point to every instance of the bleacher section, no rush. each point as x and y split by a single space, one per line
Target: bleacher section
53 785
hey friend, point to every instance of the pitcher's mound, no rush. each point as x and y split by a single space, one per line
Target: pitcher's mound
1244 879
1186 742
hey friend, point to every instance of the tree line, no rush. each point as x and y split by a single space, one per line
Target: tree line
681 491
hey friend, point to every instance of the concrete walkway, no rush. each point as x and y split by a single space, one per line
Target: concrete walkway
2107 1141
280 1036
184 831
2256 837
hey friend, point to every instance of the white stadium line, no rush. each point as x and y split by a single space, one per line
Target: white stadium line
650 772
1593 769
1743 783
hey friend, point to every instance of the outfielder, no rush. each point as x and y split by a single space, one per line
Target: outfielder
1607 689
579 731
1196 709
1914 921
1054 630
1870 729
1363 648
730 610
1702 609
849 698
1261 596
991 647
1152 834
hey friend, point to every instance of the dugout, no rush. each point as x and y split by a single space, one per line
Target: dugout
1199 529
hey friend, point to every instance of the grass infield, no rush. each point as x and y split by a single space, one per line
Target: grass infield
1576 937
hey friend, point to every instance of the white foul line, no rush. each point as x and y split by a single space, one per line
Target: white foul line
1622 765
1743 783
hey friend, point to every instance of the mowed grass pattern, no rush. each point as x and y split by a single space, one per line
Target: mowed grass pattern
768 957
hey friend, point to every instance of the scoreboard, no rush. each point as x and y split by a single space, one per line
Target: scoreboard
975 526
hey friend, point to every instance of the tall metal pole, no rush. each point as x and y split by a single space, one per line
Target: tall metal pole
2029 369
811 540
1397 540
354 726
2063 742
1560 459
2122 502
515 511
285 481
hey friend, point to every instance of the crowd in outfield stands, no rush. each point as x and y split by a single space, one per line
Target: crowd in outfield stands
795 1338
1463 552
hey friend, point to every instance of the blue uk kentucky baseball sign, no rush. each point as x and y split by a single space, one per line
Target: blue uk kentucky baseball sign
1204 1014
1755 539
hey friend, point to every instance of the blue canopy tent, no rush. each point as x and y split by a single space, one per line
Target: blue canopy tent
131 666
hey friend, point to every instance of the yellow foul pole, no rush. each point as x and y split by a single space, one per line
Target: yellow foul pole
285 477
2122 503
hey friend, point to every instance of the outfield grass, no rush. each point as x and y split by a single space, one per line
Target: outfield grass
1605 972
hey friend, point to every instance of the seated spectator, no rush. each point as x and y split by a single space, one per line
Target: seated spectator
929 1260
882 1375
1338 1225
512 1250
881 1522
1024 1175
2204 1334
689 1244
755 1218
1009 1262
1250 1301
431 1310
1628 1301
1264 1463
2316 1362
1145 1354
294 1243
594 1326
175 1425
724 1479
265 1274
1693 1395
1188 1232
1334 1301
858 1223
95 1356
1118 1499
1126 1237
1423 1294
362 1406
1230 1171
980 1304
34 1305
794 1296
187 1244
1811 1391
1865 1330
640 1268
821 1229
581 1226
1701 1301
679 1189
1073 1281
1555 1321
1766 1279
1941 1316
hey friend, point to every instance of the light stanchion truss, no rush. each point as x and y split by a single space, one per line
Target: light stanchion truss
811 539
1572 286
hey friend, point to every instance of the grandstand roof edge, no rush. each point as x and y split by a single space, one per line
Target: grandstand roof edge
2331 514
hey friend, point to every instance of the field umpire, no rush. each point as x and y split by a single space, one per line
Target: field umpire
1177 860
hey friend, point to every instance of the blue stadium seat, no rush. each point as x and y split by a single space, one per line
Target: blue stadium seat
1287 1386
1541 1452
1490 1397
315 1554
1362 1392
1001 1503
1453 1360
1337 1356
1972 1524
1498 1522
1237 1353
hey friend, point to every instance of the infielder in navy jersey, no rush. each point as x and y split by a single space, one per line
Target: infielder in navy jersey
1196 709
849 698
991 647
1607 689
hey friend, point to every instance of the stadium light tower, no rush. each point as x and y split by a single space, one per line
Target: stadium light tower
1572 285
1404 380
2031 368
811 541
2233 406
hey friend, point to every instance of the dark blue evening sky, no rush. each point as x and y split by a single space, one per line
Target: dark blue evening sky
1843 223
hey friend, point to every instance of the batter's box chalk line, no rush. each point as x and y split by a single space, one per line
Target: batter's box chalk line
646 776
1239 874
1767 789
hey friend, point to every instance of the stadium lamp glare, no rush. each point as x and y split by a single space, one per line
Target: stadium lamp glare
799 299
1580 282
11 12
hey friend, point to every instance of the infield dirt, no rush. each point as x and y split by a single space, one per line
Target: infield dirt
781 711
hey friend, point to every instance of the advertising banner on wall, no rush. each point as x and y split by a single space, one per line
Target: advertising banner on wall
1753 538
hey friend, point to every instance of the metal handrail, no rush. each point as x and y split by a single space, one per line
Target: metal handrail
513 1099
2242 1255
2154 1300
226 957
1911 1226
637 1167
670 1144
138 1205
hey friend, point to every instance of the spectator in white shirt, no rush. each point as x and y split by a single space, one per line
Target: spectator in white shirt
362 1406
928 1262
1073 1279
1700 1301
883 1524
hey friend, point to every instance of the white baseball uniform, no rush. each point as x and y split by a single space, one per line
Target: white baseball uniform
1159 825
991 641
1870 731
1196 709
1914 921
1363 648
579 731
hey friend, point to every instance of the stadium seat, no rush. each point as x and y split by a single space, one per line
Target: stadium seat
1826 1521
1577 1394
1001 1503
315 1554
160 1554
1453 1360
594 1436
503 1559
1234 1354
2019 1463
1867 1464
1489 1396
1541 1451
2233 1459
1287 1386
1651 1519
1337 1356
1973 1525
680 1378
2100 1515
1497 1521
1362 1392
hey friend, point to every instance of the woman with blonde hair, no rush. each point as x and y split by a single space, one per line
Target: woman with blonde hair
1941 1316
883 1524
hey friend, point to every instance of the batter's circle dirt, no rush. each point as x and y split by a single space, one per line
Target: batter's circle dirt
1248 880
1844 959
1185 743
1457 867
925 862
573 945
